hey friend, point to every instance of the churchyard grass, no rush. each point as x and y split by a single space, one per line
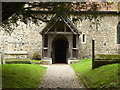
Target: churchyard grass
103 77
22 75
107 56
17 60
20 60
35 60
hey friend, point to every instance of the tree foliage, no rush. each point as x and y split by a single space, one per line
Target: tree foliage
25 11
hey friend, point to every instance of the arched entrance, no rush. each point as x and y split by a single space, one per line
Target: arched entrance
60 41
60 50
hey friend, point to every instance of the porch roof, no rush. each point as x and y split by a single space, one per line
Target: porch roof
65 19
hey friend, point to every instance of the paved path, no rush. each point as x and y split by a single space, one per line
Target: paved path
60 76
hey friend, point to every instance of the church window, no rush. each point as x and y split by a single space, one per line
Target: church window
46 41
118 33
83 38
74 41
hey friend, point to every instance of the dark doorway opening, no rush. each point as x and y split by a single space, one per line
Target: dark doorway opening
60 49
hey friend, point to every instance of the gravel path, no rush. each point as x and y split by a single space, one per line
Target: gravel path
60 76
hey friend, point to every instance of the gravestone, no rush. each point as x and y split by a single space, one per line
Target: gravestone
2 58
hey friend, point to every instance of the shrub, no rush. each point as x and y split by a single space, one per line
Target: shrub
36 56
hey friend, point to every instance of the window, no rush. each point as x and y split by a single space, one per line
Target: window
74 41
83 38
45 41
118 33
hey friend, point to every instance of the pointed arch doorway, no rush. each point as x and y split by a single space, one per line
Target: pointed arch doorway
60 49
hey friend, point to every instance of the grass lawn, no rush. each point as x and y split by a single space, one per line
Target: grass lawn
102 77
22 75
19 60
35 60
15 59
107 56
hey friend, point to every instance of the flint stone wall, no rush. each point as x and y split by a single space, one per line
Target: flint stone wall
23 38
102 29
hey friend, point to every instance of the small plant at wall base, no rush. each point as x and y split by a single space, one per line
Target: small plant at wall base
36 56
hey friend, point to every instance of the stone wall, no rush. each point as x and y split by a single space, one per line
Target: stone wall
102 28
23 38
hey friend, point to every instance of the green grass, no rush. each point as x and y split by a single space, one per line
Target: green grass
106 56
22 75
83 66
19 59
35 60
13 59
102 77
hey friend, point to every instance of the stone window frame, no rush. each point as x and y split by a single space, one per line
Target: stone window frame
118 33
84 38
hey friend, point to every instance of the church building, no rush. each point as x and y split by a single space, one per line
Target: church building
65 39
